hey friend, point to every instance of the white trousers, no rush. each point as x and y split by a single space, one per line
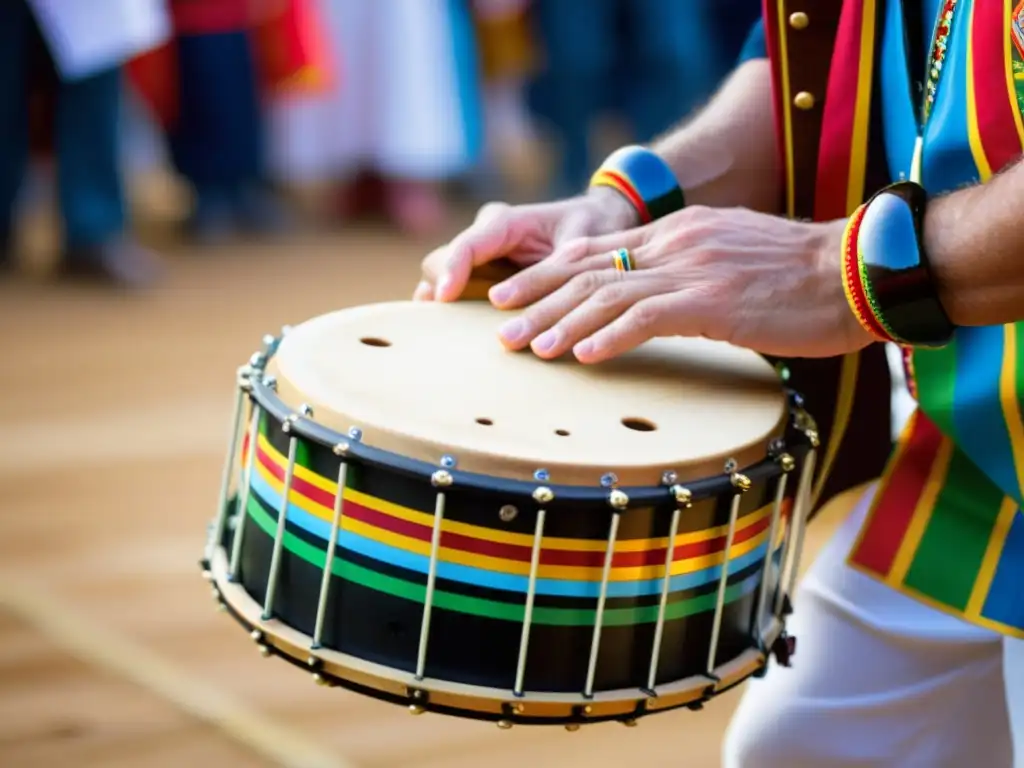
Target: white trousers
878 679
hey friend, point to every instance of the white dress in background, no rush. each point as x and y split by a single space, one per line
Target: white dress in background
408 103
87 36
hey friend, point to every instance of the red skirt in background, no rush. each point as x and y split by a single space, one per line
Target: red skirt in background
291 52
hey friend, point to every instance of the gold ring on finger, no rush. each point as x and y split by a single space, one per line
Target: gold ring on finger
623 260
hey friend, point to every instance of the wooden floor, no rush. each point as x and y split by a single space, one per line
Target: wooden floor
112 428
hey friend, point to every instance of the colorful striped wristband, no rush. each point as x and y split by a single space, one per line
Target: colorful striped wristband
854 285
644 179
895 270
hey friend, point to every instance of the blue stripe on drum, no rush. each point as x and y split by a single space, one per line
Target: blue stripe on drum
494 580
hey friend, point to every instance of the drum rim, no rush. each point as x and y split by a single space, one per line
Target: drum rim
798 439
641 466
333 668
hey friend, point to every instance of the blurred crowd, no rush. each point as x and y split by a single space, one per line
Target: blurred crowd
388 104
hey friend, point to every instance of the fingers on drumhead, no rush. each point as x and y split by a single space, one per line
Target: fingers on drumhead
575 262
487 239
424 292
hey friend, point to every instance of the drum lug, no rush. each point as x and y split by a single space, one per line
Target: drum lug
784 648
262 646
316 667
510 710
579 716
322 680
638 711
582 711
707 694
420 699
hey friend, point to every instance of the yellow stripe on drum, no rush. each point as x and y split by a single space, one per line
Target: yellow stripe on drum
517 567
478 531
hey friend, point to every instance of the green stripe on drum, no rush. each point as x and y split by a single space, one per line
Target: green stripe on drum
486 608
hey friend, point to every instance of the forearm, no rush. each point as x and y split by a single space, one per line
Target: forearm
727 154
975 243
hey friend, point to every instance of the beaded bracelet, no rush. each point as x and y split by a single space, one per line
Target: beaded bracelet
644 179
886 274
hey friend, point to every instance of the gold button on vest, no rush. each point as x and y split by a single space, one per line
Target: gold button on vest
799 20
804 100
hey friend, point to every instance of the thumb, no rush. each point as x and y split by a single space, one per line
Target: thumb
495 232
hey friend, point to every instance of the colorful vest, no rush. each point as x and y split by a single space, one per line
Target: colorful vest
945 526
848 396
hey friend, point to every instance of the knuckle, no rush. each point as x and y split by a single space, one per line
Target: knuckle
586 283
575 249
690 234
645 315
695 224
612 295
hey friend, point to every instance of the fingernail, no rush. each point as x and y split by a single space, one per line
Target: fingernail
513 330
545 341
501 293
583 349
443 286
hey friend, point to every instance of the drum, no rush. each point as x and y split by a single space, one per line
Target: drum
412 512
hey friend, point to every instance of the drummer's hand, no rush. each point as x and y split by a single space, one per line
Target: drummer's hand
523 234
757 281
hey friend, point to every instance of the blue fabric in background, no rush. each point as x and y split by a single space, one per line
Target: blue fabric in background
218 140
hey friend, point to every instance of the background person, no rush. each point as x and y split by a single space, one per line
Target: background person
62 38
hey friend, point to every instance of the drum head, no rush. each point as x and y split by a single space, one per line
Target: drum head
426 380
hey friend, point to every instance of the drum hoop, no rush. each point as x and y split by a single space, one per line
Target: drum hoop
797 443
479 702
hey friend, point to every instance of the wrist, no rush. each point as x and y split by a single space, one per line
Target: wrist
943 241
615 211
643 179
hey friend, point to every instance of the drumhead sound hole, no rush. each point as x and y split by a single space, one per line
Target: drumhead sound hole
485 422
639 425
373 341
